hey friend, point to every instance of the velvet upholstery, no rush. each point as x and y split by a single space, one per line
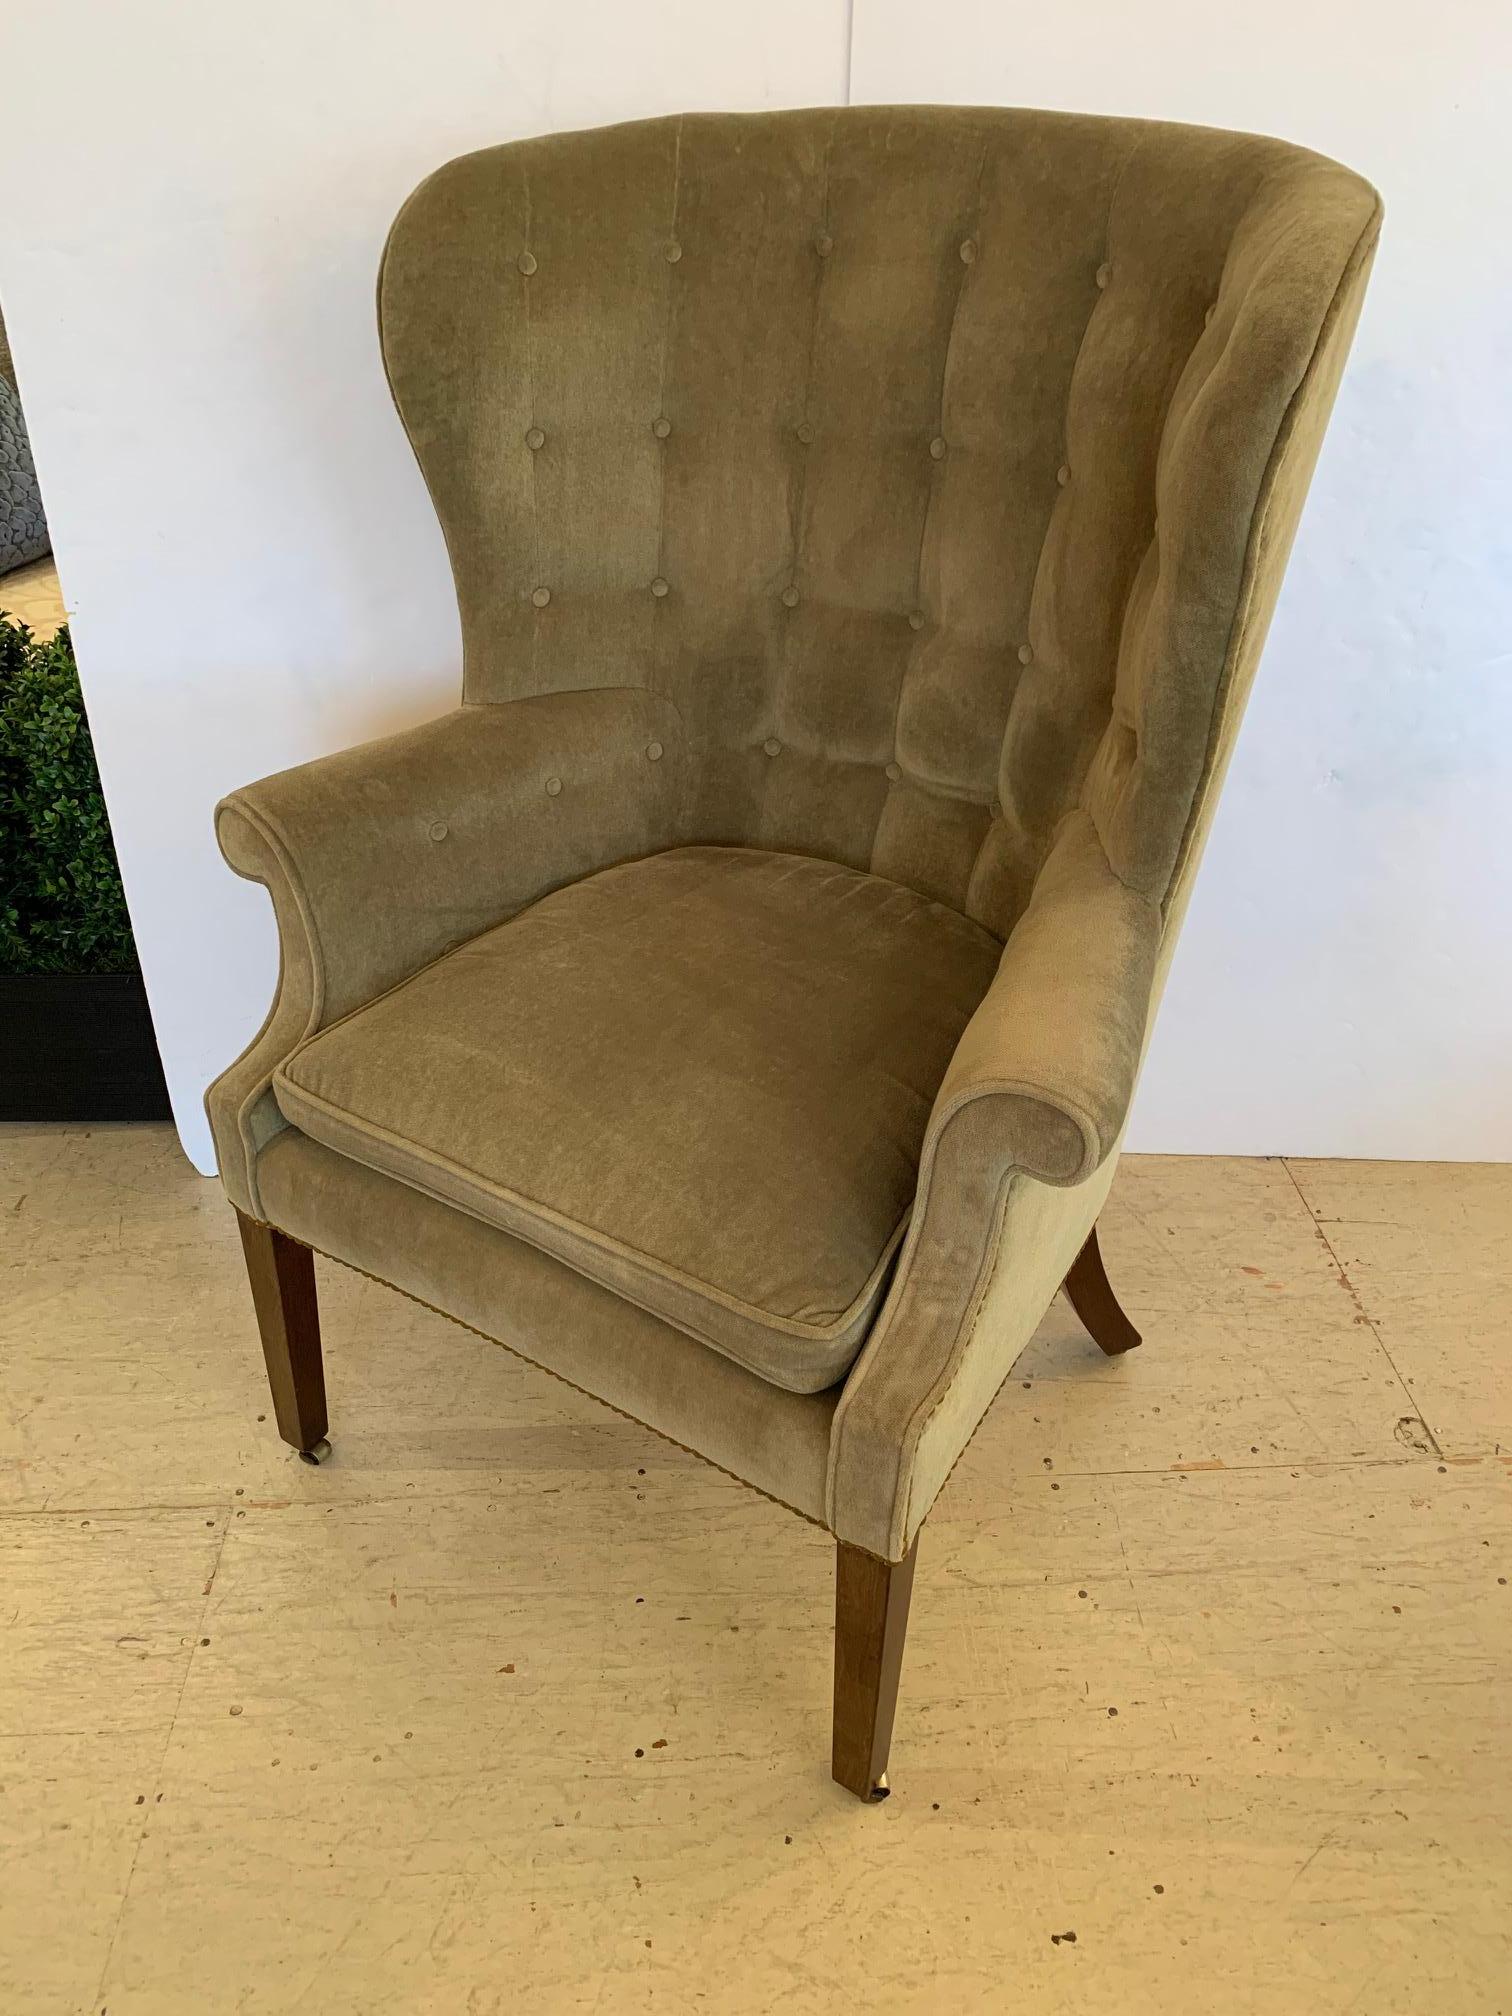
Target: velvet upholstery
916 484
511 1292
702 1079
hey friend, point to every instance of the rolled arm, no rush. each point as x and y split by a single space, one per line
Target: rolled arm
1017 1158
383 857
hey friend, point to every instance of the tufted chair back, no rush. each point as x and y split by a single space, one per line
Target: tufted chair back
913 457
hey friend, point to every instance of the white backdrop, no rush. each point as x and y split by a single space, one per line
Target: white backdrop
195 199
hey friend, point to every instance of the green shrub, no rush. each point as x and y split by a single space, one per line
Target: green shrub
61 907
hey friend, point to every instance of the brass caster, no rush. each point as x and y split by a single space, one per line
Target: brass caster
316 1453
881 1790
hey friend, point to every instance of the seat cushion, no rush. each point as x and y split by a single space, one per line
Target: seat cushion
701 1079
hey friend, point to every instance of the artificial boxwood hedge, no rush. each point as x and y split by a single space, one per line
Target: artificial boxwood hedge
61 906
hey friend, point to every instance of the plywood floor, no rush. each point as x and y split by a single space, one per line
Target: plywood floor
32 595
513 1708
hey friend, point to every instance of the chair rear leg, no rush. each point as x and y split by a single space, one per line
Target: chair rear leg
1090 1294
282 1274
871 1622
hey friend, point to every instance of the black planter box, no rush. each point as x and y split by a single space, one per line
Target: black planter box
78 1046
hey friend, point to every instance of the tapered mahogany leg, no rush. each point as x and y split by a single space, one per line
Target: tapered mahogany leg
1090 1294
871 1621
282 1274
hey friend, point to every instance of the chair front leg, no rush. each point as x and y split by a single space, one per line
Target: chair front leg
282 1274
871 1622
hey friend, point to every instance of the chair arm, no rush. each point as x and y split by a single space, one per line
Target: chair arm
1017 1159
383 857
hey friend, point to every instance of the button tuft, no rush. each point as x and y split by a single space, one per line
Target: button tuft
772 746
526 263
937 448
553 787
1026 654
790 598
894 771
661 426
535 438
653 752
1063 474
540 597
916 619
1104 275
804 432
968 251
673 252
659 587
824 245
438 829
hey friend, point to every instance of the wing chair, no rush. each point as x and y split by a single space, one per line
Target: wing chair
865 525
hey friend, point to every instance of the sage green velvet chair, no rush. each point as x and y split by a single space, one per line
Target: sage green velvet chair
865 525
